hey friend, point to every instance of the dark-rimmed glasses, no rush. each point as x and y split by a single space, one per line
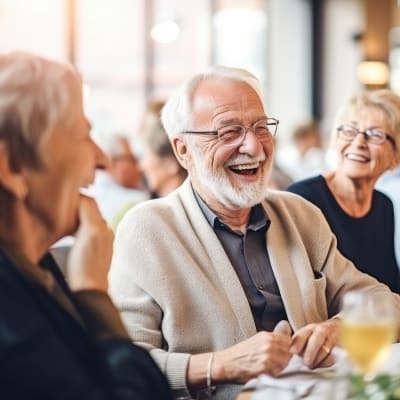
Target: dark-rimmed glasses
233 135
372 135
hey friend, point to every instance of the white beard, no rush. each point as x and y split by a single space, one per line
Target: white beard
219 186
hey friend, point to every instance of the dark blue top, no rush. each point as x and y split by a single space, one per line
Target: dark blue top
367 241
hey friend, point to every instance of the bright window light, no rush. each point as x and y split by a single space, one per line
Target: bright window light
165 32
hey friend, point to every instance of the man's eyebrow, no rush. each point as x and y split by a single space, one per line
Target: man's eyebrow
236 121
231 121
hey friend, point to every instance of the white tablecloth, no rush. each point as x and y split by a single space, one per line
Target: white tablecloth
311 386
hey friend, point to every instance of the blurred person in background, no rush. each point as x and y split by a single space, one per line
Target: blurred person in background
57 339
306 156
278 179
366 139
161 169
121 182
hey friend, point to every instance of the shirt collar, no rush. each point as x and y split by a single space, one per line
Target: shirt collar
258 217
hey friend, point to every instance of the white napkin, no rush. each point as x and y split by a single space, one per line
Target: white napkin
290 387
270 388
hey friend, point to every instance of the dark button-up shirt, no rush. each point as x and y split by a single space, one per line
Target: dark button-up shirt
249 257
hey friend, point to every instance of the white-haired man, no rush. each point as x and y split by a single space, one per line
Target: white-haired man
219 264
58 340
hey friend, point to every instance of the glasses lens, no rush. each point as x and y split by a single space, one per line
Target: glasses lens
347 132
375 136
231 135
264 131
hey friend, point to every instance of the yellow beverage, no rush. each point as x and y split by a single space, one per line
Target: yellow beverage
367 344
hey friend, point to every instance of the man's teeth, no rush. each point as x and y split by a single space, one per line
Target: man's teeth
245 166
356 157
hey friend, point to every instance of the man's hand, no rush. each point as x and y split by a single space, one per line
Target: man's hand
90 256
263 353
314 343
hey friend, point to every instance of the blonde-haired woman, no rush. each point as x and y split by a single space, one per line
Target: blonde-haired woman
367 143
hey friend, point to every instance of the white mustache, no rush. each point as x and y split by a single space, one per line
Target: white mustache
245 159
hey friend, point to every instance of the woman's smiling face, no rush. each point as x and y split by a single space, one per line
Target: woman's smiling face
360 158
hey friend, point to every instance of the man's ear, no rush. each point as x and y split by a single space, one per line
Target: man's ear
12 181
181 151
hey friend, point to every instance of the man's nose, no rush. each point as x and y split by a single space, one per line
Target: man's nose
251 144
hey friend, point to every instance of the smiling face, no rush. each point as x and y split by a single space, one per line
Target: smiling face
231 177
359 159
69 159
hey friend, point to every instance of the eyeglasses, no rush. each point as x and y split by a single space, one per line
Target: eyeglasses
372 135
233 135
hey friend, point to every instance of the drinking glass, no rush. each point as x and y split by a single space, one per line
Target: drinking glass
367 330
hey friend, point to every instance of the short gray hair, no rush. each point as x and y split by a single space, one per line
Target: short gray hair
34 94
176 115
382 99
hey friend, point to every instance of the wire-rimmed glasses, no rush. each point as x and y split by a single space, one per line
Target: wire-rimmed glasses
371 135
233 135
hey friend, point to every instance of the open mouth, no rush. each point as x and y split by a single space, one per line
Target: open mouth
245 169
357 157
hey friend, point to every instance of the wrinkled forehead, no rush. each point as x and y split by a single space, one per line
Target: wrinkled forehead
217 97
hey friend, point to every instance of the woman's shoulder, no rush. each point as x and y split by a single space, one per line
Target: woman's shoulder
308 183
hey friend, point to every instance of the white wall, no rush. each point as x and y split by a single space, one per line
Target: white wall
288 91
343 18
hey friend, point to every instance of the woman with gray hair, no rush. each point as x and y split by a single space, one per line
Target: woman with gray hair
367 143
59 338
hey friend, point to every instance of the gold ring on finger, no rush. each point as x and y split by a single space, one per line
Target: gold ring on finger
327 349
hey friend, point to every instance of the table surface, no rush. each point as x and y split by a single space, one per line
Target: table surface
307 386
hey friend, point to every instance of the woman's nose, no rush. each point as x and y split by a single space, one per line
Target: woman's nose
361 138
101 159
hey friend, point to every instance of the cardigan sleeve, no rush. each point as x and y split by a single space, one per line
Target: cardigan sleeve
140 310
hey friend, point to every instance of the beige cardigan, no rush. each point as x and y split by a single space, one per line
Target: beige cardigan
179 294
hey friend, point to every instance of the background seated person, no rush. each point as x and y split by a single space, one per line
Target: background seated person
204 276
57 340
306 156
162 171
367 144
121 182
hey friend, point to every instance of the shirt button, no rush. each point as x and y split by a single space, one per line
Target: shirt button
261 287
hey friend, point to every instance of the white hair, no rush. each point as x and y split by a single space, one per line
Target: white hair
176 115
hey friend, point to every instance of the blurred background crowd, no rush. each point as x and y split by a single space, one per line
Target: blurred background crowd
309 55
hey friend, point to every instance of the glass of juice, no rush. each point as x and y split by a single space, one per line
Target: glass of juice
368 329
